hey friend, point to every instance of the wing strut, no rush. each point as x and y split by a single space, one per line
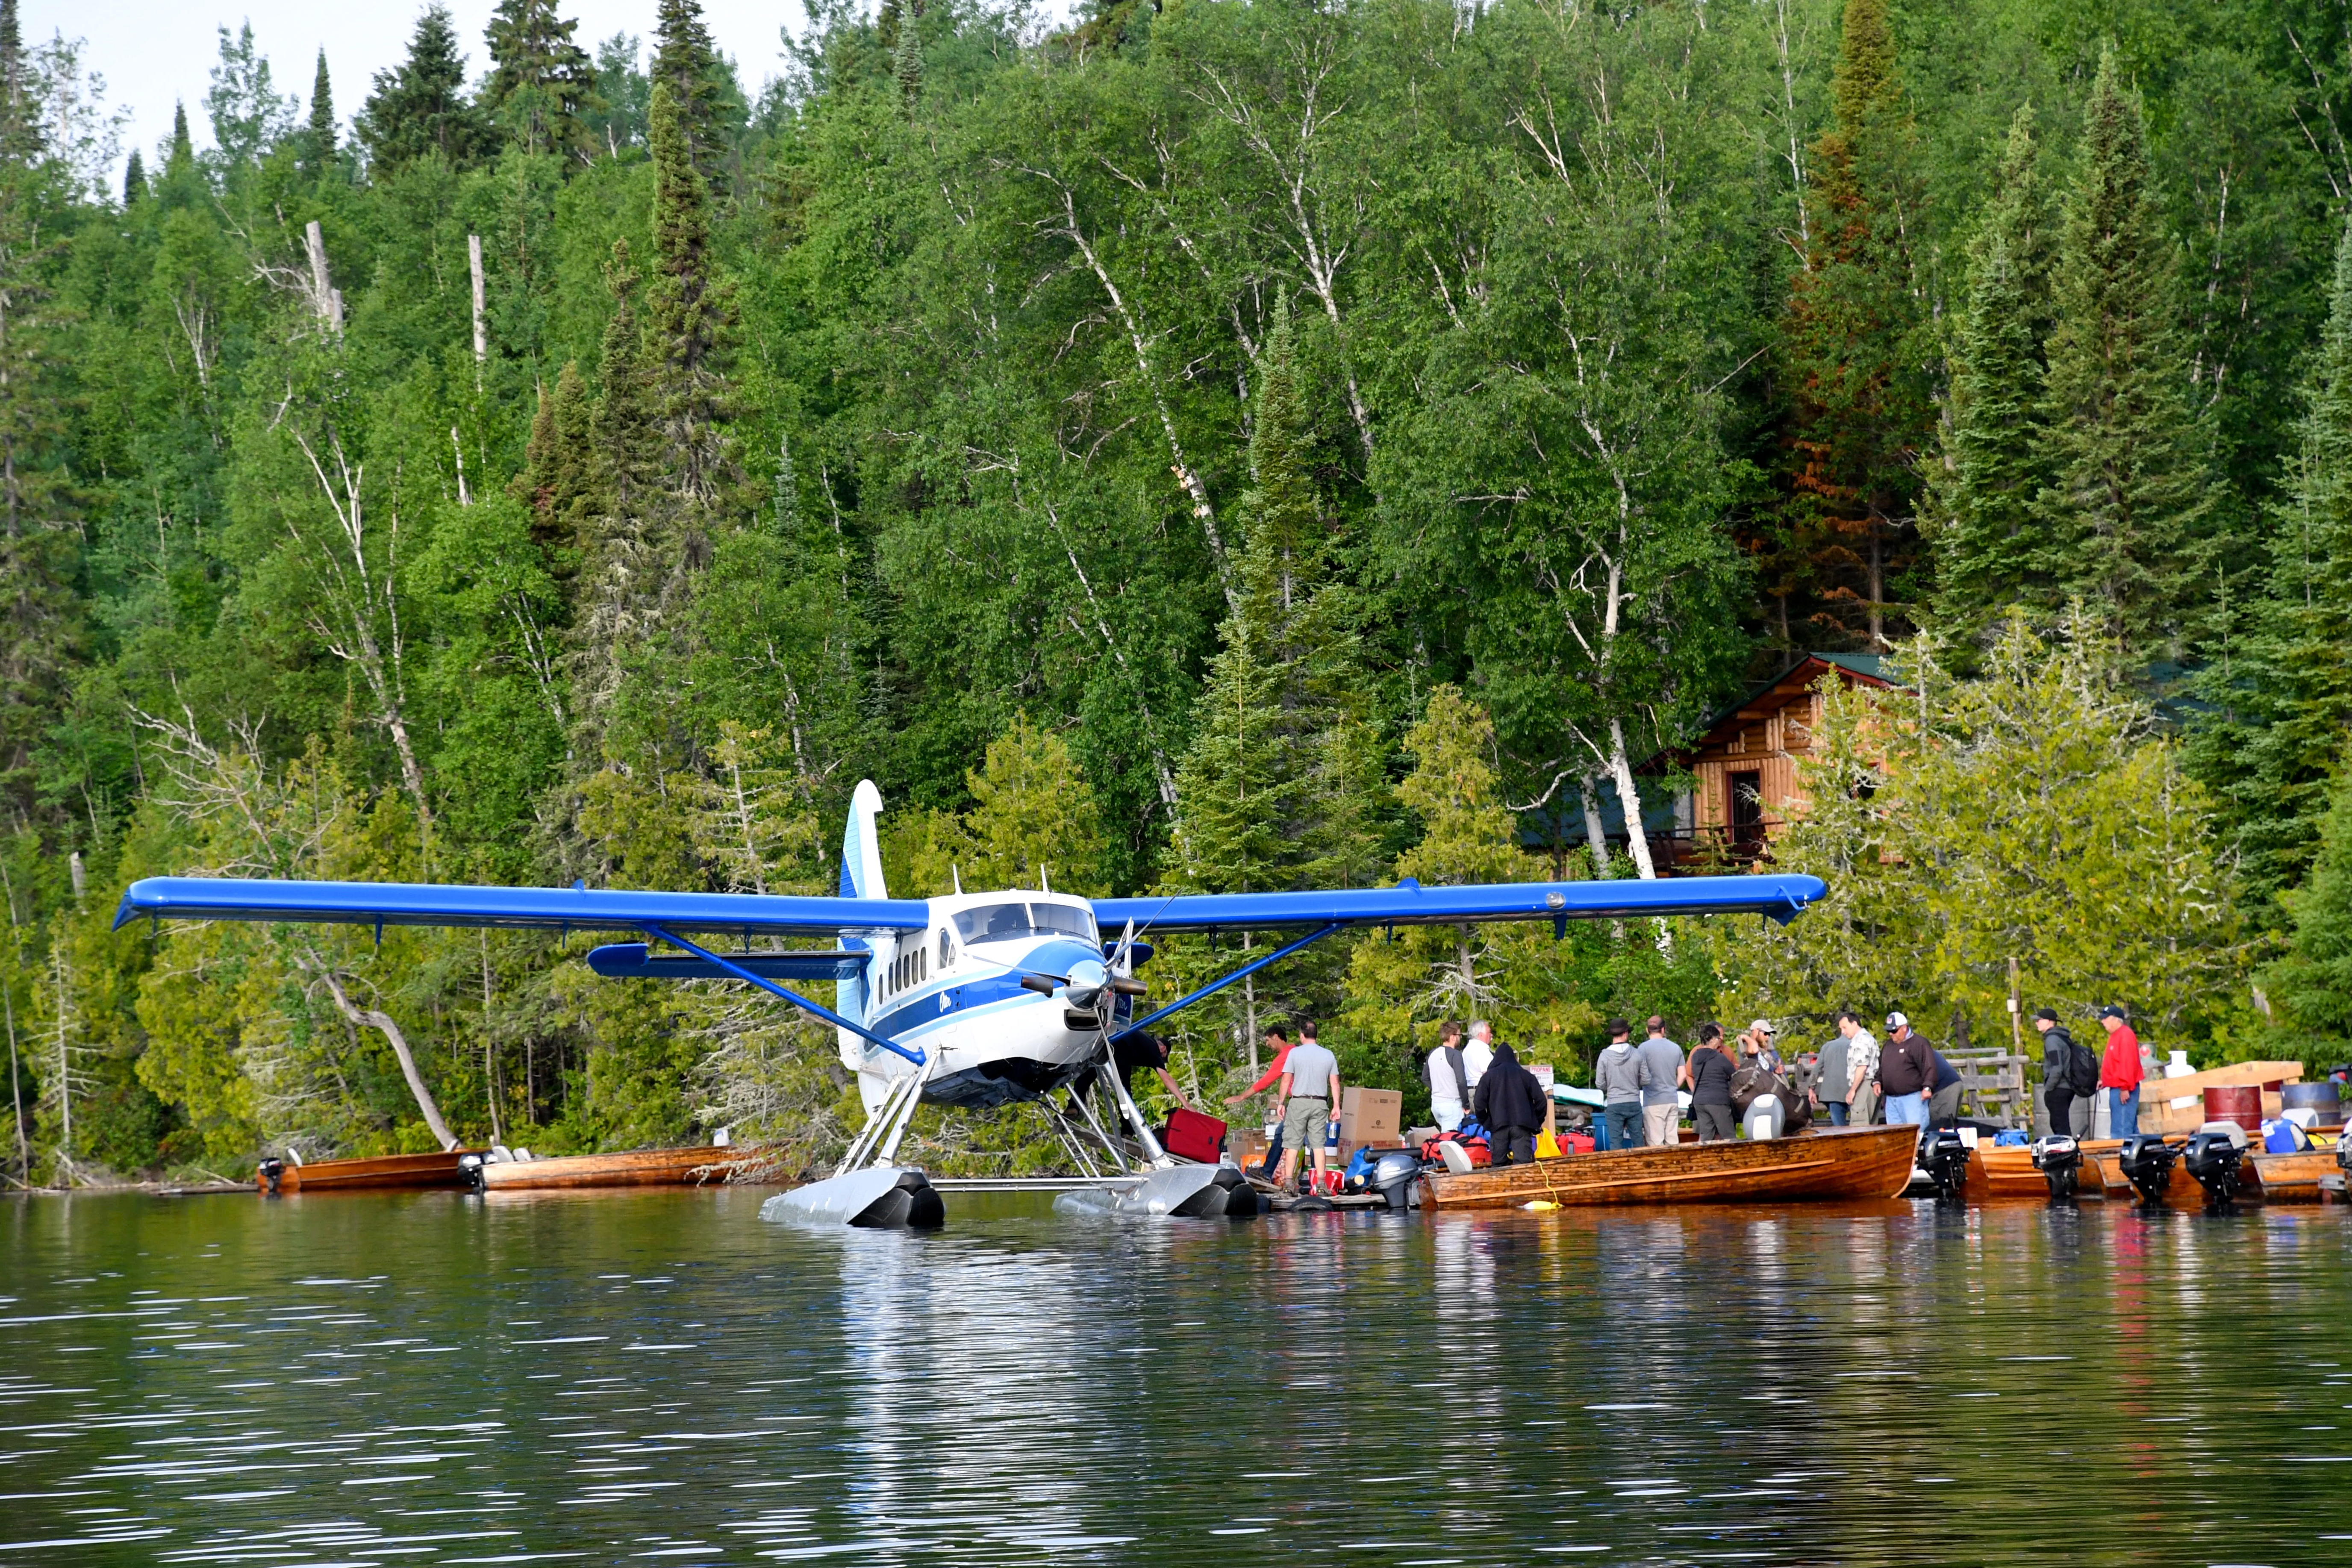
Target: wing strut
1214 987
765 983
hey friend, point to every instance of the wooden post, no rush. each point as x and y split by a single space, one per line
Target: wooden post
481 328
2017 1044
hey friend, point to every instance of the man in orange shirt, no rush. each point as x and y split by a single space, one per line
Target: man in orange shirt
2119 1074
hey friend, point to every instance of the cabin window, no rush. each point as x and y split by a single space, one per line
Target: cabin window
943 948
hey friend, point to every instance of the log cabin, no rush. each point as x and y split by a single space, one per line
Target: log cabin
1744 764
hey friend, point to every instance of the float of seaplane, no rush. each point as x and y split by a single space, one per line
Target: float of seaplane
973 999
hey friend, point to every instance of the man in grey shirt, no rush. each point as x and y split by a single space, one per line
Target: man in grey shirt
1662 1064
1310 1083
1619 1076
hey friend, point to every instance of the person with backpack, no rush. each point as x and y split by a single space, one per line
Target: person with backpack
1618 1074
2068 1072
1510 1100
1709 1073
1447 1074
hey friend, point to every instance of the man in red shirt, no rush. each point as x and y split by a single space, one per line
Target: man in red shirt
2119 1074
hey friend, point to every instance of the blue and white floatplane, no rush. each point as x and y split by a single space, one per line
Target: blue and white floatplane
974 999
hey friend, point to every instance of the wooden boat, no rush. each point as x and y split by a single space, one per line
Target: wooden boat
439 1169
1842 1163
2291 1178
699 1166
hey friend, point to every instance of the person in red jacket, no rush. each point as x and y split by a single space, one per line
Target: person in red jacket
2119 1074
1277 1040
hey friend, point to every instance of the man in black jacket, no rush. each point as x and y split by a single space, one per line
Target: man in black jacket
2057 1072
1510 1102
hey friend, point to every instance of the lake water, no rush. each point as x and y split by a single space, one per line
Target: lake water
663 1377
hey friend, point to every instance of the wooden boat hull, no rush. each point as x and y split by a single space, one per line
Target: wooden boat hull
435 1170
696 1166
2291 1178
1843 1163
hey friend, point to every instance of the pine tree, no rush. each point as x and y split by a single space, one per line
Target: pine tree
181 161
421 109
688 63
690 314
1984 511
2132 489
319 147
40 614
134 180
542 84
2282 702
558 481
1860 412
907 56
2313 983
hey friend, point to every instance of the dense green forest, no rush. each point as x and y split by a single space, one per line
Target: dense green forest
1218 443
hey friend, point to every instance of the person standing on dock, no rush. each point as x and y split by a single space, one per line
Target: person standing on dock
1277 1041
1662 1065
1510 1102
1709 1072
1618 1075
1448 1077
2057 1072
1944 1100
1833 1081
1310 1086
1907 1070
2119 1073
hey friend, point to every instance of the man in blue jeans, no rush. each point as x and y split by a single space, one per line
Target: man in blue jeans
1620 1076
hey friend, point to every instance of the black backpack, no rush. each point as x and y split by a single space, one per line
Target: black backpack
2083 1070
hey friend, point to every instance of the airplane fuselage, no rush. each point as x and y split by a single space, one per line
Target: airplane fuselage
953 991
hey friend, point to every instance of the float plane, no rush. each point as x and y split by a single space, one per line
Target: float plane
974 999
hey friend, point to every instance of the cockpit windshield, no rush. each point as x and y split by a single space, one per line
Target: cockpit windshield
1000 923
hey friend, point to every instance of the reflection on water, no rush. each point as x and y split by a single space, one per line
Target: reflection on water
434 1379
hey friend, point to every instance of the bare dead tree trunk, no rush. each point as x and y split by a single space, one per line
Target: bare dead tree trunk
481 324
325 298
376 1018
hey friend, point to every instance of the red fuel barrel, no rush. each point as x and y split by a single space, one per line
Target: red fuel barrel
2242 1105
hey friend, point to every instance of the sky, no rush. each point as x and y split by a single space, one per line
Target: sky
151 52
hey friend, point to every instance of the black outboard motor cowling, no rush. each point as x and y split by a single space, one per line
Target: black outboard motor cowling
2060 1159
2217 1160
2148 1161
1946 1159
271 1171
1395 1177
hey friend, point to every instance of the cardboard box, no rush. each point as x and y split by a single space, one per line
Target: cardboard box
1370 1115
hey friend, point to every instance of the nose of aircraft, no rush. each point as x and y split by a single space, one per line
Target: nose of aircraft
1088 978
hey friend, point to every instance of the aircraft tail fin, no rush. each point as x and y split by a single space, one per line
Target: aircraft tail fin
861 848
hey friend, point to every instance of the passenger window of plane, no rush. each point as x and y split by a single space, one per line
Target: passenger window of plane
944 955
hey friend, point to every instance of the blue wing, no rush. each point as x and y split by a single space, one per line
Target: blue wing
520 908
630 961
1777 895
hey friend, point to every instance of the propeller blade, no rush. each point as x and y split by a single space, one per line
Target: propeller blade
1120 961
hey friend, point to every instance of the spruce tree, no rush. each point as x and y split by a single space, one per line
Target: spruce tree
1984 509
2280 704
20 125
558 481
134 179
2313 983
907 56
318 141
542 84
2131 490
1860 412
688 63
181 161
421 108
690 314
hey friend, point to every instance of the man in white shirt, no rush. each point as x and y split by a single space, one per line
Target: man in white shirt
1448 1070
1479 1052
1862 1068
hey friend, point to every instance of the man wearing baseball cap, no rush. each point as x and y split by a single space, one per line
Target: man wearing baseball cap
2119 1073
1906 1071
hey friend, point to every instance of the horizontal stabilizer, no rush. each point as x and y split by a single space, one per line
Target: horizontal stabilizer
631 961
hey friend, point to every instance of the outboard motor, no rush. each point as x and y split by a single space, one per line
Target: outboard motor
1395 1178
268 1173
2060 1159
2148 1161
2216 1157
1945 1158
